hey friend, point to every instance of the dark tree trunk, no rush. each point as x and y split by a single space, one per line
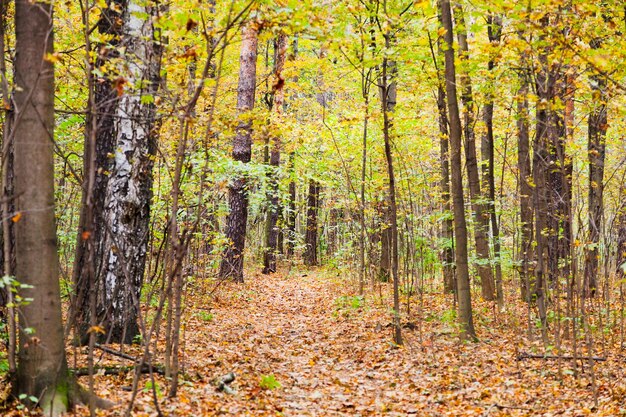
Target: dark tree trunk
384 270
481 213
42 366
271 226
291 209
232 260
597 126
621 237
447 226
494 32
525 188
460 227
547 185
126 213
310 238
388 97
388 100
334 215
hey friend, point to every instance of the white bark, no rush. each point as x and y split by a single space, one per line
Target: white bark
127 203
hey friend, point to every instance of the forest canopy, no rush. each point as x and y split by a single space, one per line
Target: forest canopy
442 182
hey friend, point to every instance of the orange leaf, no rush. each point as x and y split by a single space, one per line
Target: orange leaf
17 217
96 329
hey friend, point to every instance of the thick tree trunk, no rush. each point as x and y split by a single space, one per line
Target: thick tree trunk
125 216
310 238
42 366
271 226
597 126
481 212
91 231
460 226
232 260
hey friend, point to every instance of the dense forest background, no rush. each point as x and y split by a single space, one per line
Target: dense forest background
447 177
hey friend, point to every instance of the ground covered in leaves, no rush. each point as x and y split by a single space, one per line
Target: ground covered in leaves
303 344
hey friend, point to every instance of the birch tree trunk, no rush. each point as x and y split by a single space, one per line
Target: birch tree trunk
126 211
232 260
91 235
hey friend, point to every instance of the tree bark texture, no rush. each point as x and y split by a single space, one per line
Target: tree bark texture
42 366
310 238
460 227
481 212
291 209
597 126
494 33
126 211
236 221
388 101
447 226
525 188
91 231
272 230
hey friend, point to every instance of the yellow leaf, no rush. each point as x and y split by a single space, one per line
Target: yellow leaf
96 329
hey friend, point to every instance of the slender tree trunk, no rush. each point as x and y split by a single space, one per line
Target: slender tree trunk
310 238
126 212
232 260
42 366
363 230
447 226
271 228
597 126
494 31
543 158
334 216
525 188
460 226
291 209
621 237
388 95
386 238
481 213
388 99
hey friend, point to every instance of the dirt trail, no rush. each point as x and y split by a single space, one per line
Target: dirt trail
332 355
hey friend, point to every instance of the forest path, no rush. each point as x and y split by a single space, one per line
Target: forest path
332 355
308 329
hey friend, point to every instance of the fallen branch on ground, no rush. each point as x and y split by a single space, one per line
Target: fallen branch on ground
523 356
